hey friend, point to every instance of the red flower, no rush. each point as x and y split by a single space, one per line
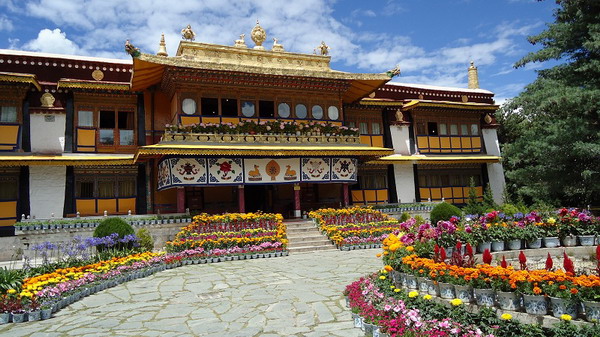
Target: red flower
442 254
469 250
225 167
503 263
598 253
523 260
458 246
549 263
487 256
568 264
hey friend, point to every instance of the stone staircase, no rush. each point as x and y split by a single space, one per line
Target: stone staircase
304 236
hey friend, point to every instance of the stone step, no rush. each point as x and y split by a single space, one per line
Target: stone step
318 237
302 230
308 243
301 225
294 250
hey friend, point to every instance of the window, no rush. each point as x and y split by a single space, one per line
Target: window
8 114
464 129
317 112
421 129
126 188
373 181
432 129
89 187
443 129
453 129
333 113
188 106
351 125
248 108
283 110
85 118
375 128
474 130
229 107
266 109
126 127
107 127
363 128
301 111
85 189
209 106
8 187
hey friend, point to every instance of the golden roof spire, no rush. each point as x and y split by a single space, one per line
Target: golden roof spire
473 77
259 36
162 47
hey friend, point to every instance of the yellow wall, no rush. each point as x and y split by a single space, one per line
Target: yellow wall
8 209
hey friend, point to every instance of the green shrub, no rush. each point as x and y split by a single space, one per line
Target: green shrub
10 279
146 240
113 225
509 209
443 211
419 220
405 216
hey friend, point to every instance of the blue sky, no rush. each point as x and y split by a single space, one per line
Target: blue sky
432 40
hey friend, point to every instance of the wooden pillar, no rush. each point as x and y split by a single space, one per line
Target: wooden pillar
241 199
297 208
180 199
346 192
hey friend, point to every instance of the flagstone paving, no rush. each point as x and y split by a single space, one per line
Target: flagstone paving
297 295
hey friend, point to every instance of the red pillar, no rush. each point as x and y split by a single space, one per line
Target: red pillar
297 209
346 194
180 199
241 199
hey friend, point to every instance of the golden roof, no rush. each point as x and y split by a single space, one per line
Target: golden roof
436 159
148 69
20 78
67 160
448 104
260 150
85 84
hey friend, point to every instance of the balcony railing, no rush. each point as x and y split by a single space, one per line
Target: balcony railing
170 136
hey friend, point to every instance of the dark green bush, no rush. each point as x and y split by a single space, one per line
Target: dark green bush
443 211
113 225
146 240
404 216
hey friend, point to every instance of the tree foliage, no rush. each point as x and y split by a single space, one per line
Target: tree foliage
551 131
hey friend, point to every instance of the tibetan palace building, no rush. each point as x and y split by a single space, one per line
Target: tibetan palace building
231 128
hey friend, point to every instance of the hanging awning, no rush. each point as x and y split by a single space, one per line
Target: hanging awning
66 160
445 159
275 150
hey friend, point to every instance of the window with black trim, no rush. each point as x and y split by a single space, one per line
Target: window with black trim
8 114
209 106
266 109
229 107
89 187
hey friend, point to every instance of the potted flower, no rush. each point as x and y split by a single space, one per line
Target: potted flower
586 228
34 311
533 295
550 231
564 296
532 234
498 233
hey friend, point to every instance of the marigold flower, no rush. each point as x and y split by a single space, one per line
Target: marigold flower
413 294
397 290
11 291
410 248
388 268
456 302
378 255
566 317
574 291
427 297
537 290
382 277
506 317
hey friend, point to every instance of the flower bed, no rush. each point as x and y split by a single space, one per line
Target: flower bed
381 308
356 227
265 127
232 234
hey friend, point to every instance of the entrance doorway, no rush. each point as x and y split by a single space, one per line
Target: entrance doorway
270 198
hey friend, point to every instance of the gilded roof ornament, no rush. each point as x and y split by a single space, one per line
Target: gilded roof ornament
394 71
241 42
131 49
188 34
473 77
258 35
323 49
277 46
162 47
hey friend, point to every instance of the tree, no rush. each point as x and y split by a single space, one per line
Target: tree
551 131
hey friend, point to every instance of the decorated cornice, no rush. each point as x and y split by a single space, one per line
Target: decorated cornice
440 159
65 160
20 78
413 104
94 85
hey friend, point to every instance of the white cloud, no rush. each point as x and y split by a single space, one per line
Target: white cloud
5 23
52 41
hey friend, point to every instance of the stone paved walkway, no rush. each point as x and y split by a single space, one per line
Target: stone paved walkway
298 295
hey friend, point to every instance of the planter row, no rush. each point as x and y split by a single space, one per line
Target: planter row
537 305
547 242
353 247
64 301
406 209
45 227
370 330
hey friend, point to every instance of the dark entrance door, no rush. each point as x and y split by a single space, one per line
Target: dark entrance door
258 197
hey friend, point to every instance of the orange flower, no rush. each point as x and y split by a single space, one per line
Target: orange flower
562 287
388 268
378 255
574 291
537 290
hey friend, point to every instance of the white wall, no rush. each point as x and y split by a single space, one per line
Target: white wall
48 133
47 190
495 170
405 182
400 139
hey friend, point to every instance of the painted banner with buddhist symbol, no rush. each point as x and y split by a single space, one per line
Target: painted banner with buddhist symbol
194 171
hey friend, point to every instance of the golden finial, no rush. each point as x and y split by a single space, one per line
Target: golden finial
188 34
323 49
258 35
473 77
162 47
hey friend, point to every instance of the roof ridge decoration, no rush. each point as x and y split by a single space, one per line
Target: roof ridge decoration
188 34
162 46
131 49
258 35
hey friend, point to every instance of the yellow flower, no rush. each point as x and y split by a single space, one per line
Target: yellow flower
427 297
392 287
384 271
566 317
456 302
551 221
506 317
413 294
11 291
397 290
382 277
